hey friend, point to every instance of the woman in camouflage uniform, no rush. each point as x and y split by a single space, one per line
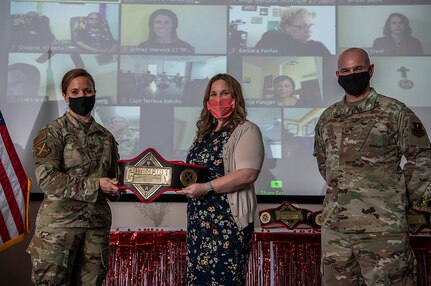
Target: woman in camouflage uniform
75 166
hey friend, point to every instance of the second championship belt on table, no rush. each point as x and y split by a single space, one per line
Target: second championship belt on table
148 175
290 216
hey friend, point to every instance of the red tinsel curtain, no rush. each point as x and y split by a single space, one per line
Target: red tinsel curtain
151 257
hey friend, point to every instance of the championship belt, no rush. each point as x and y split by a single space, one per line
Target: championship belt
290 216
418 220
148 175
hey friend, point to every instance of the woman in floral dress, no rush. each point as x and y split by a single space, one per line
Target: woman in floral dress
221 212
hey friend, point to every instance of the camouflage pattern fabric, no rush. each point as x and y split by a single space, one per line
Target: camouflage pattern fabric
359 151
75 256
385 260
70 158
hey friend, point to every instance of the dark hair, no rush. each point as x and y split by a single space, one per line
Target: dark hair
94 13
165 12
404 19
71 75
33 15
31 72
23 80
99 19
207 122
281 78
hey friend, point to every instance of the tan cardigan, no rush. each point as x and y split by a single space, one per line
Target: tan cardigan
244 149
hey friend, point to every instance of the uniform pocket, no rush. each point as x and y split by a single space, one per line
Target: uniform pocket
49 262
362 135
46 251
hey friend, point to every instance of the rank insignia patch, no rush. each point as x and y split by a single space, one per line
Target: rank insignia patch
42 150
40 137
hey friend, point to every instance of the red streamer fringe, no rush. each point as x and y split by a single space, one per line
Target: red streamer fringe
157 257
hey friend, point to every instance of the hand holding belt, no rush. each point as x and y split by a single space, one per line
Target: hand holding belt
148 175
289 216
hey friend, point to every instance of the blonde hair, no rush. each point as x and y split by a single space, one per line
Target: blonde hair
290 13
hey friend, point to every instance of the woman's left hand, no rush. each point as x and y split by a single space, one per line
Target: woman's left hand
193 191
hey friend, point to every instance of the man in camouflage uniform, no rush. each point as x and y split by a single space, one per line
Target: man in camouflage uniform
76 161
128 140
359 142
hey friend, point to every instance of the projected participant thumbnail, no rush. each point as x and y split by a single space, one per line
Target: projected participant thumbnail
162 25
397 39
269 121
292 30
289 167
24 89
123 122
30 29
403 79
167 79
92 34
296 172
184 129
80 27
158 29
285 81
23 82
394 31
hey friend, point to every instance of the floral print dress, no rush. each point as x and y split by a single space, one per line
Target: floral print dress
217 251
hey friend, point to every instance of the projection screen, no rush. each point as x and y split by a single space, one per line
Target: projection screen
156 89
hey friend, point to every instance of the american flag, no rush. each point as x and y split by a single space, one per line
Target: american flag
14 192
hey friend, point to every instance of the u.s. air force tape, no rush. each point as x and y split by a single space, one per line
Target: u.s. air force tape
148 175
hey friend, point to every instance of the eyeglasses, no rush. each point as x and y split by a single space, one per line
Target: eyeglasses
301 27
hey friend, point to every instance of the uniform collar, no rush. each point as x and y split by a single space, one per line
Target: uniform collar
366 105
93 126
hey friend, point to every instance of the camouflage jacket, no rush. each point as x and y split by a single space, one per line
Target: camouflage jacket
70 159
359 152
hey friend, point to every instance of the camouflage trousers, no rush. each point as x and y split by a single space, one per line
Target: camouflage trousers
378 259
69 256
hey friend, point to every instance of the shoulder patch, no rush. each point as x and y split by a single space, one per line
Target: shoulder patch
417 133
40 137
418 129
42 150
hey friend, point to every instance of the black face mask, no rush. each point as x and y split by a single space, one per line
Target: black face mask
355 83
82 105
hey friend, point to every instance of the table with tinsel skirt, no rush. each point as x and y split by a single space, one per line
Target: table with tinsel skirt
156 256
